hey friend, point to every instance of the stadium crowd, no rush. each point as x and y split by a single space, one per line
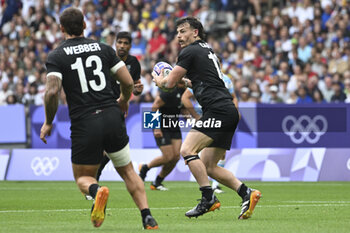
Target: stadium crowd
292 51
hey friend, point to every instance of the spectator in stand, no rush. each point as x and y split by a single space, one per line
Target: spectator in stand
283 92
317 97
274 98
304 50
138 45
337 64
306 11
11 99
281 32
150 90
32 98
156 45
347 89
244 94
303 97
326 88
339 95
4 93
19 93
311 85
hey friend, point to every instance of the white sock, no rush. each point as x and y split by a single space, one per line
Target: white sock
215 184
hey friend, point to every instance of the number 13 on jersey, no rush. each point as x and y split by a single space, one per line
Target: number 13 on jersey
79 66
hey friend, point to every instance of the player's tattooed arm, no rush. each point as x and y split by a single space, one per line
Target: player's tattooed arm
51 97
53 88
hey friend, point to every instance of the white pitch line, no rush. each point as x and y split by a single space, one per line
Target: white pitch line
180 208
327 202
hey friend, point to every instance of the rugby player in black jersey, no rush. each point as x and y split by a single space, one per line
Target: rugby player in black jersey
199 63
168 137
85 68
123 46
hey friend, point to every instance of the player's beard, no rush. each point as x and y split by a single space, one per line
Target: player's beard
122 53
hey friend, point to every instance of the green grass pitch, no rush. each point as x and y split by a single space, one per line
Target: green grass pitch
285 207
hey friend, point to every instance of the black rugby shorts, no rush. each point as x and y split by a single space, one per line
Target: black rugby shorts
168 135
228 115
97 132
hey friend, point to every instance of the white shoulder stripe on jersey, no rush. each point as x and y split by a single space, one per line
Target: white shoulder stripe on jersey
57 74
115 68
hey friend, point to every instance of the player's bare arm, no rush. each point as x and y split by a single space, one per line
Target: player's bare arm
53 88
126 87
171 80
186 100
157 104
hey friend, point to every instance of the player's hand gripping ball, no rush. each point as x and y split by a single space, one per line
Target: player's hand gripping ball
167 68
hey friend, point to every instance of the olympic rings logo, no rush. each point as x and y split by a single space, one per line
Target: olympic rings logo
44 166
310 127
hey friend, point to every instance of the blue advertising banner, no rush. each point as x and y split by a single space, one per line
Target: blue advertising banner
263 164
60 134
40 164
261 126
13 124
303 125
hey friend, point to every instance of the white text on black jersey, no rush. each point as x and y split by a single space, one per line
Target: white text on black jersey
82 48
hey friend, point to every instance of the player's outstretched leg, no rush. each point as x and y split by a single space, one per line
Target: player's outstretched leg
99 206
206 204
143 169
249 201
137 191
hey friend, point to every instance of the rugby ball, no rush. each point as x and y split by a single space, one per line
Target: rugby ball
162 65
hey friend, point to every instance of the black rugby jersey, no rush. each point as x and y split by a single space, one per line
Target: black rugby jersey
203 69
172 103
85 67
134 68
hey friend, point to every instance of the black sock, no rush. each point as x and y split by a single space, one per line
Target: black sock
93 190
207 192
242 190
159 180
145 167
145 212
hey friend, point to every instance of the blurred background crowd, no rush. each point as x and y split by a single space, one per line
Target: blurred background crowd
275 51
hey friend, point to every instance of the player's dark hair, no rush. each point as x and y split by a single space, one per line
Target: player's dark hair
194 23
124 35
72 20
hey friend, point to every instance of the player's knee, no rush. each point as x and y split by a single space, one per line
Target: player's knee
126 172
210 171
186 150
175 158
